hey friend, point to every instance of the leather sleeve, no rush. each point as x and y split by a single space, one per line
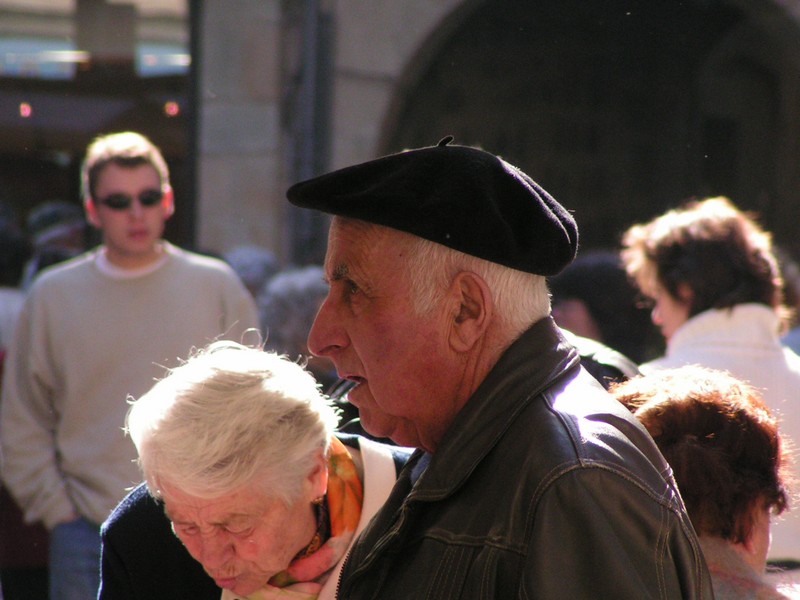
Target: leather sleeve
615 540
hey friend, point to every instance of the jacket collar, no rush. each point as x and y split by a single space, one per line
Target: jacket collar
743 324
529 366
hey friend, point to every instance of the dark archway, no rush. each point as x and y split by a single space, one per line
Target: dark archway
619 111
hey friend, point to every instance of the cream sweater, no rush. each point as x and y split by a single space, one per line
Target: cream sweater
86 341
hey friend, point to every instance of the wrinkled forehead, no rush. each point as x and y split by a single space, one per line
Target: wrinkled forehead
364 252
353 240
352 232
184 507
356 227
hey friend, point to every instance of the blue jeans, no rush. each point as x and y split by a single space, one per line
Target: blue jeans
75 561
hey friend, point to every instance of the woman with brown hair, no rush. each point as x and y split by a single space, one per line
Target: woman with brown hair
729 461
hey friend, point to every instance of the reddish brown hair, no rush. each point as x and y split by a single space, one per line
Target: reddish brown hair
720 440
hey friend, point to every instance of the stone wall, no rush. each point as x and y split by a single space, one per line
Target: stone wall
614 111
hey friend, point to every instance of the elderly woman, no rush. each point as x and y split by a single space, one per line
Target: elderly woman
729 462
238 452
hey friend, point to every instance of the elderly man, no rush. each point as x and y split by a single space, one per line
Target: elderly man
529 479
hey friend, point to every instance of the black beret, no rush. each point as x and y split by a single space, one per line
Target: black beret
457 196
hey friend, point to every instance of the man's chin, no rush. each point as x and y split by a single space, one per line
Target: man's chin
375 423
381 427
384 428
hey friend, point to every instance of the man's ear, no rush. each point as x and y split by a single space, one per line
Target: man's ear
91 213
168 203
473 307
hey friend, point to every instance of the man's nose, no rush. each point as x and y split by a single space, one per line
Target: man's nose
136 208
326 335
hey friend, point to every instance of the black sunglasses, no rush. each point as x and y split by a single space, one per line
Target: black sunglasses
123 201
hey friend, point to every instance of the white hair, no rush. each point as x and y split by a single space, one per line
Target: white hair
231 416
520 298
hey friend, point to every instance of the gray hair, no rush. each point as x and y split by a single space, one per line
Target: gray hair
231 416
287 307
520 298
254 265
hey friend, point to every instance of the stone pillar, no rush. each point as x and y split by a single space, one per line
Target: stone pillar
240 181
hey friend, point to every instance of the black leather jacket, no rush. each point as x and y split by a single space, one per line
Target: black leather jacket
543 487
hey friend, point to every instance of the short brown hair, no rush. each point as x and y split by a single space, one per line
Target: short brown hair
127 149
720 252
721 441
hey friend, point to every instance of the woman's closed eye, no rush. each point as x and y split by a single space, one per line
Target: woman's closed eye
185 529
239 530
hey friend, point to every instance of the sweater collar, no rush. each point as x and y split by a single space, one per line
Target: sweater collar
749 323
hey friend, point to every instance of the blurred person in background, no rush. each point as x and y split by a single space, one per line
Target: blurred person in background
716 288
790 272
254 265
23 548
57 230
287 306
594 298
15 251
93 330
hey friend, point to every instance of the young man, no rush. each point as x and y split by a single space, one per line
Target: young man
94 331
530 480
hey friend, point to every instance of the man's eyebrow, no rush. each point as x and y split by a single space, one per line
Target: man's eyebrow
340 272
